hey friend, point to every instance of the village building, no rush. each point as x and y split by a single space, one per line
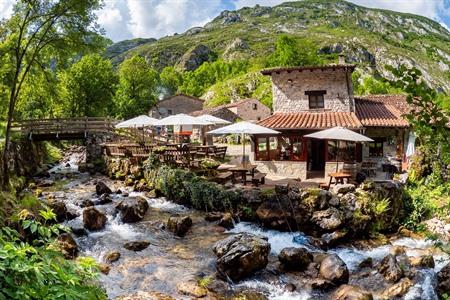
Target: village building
219 111
309 99
248 109
176 104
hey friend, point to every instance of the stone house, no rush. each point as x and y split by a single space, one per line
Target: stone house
308 99
248 109
219 112
176 104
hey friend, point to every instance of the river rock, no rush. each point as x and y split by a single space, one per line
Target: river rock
137 245
67 245
226 221
218 286
328 220
333 239
350 292
240 255
397 250
104 199
272 216
366 263
191 288
59 208
321 284
104 268
443 278
179 225
343 188
334 269
424 261
102 188
295 258
399 289
213 216
390 268
93 219
133 209
85 203
112 256
141 295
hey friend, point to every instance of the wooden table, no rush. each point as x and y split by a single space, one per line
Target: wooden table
339 177
243 170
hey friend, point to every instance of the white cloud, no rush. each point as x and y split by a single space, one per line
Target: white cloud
6 7
157 18
111 18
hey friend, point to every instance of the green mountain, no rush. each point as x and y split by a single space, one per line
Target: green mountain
370 38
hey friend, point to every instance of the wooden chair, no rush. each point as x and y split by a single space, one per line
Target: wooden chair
259 178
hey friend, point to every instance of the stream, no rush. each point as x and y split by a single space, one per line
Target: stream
170 260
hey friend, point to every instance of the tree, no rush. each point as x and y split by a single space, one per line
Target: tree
36 30
170 80
87 87
137 86
291 52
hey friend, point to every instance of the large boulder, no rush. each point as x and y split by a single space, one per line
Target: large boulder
101 188
136 245
179 225
328 220
112 256
397 290
424 261
443 278
295 258
350 292
59 208
67 245
194 58
226 221
93 219
133 209
271 215
334 269
343 188
390 268
191 288
240 255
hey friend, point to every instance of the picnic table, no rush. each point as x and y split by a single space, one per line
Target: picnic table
339 177
243 170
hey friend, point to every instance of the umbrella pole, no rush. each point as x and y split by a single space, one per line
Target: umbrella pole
337 154
243 149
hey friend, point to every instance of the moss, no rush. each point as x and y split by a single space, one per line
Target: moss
52 153
205 281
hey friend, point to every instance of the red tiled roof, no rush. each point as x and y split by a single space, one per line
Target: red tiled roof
382 110
311 120
311 68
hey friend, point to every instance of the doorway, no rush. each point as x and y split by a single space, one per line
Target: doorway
316 158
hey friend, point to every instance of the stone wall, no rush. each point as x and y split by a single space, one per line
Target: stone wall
245 110
289 89
177 104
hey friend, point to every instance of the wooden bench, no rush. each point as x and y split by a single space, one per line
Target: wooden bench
259 178
222 177
218 152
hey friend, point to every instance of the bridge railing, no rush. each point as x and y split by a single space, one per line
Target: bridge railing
64 125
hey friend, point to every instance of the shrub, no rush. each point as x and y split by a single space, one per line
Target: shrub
36 270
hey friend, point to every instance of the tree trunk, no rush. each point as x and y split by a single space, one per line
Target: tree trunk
4 168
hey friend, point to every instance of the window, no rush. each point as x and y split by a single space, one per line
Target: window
259 118
169 112
255 106
279 148
376 148
316 99
346 151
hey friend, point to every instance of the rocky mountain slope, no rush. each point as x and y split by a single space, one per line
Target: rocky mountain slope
370 38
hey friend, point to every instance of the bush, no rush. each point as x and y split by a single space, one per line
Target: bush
33 268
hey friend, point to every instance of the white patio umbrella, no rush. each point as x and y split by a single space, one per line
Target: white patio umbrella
141 121
180 120
243 128
137 122
339 134
212 119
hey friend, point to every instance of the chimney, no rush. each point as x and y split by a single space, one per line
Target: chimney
341 59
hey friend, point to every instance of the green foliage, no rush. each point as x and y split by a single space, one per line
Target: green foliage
290 52
87 87
52 153
170 80
186 188
136 90
34 269
372 85
196 82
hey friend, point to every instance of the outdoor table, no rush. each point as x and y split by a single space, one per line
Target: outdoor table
243 170
339 176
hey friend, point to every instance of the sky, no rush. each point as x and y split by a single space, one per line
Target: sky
127 19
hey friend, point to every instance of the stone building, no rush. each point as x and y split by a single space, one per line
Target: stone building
219 112
249 109
179 103
308 99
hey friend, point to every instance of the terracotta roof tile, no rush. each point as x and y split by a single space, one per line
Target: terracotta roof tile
311 120
382 110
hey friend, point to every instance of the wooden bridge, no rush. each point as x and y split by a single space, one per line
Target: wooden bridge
63 128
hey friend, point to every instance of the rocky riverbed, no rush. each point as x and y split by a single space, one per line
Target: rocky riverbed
151 248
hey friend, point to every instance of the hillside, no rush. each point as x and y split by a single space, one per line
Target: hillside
370 38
